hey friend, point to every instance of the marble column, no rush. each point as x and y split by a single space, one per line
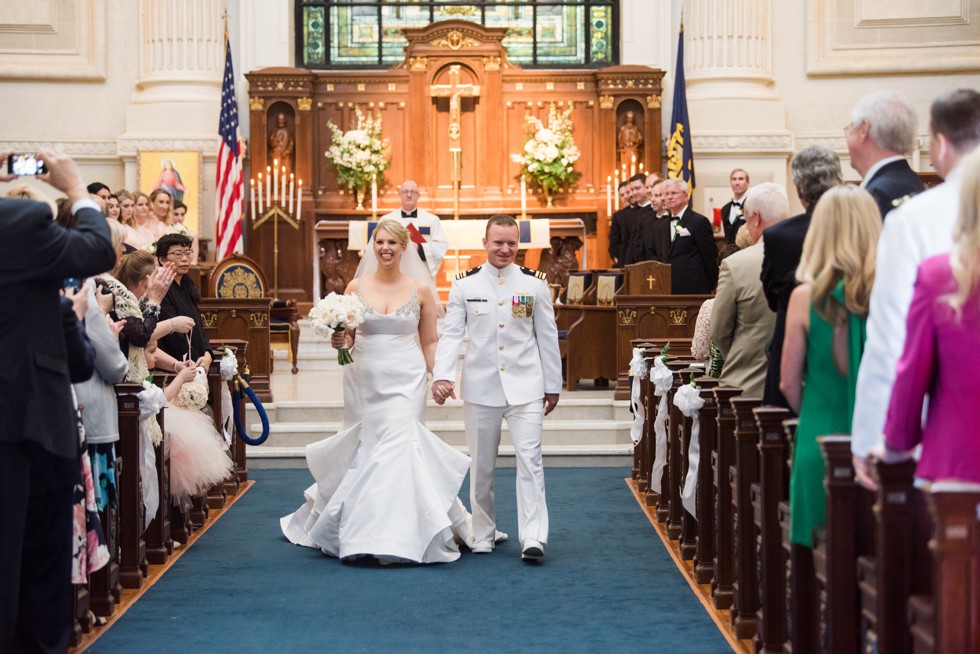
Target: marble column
177 98
727 49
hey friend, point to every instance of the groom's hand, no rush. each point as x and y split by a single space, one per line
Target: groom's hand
441 390
550 402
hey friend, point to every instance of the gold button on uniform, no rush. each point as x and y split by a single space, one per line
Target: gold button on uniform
500 303
501 368
500 347
500 280
501 325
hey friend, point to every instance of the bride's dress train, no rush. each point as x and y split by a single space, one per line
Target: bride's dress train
385 486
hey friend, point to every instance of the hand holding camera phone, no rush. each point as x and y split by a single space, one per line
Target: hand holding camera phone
25 165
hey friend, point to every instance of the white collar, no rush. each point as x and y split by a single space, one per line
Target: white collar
493 271
681 214
878 166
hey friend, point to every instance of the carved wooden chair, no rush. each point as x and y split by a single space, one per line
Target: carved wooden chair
239 277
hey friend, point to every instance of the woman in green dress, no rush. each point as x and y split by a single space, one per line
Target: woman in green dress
825 332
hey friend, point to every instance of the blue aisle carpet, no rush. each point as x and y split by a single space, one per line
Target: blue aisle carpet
606 584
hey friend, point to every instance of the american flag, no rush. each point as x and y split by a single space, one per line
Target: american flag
229 186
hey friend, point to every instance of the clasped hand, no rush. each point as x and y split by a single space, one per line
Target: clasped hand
441 390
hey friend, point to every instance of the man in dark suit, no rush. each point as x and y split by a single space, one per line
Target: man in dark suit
620 227
881 131
814 170
38 434
643 217
732 215
691 250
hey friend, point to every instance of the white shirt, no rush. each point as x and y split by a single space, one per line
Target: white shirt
436 244
512 356
736 210
917 229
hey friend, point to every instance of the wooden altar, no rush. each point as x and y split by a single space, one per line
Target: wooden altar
290 109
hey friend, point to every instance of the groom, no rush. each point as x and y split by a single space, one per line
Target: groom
512 371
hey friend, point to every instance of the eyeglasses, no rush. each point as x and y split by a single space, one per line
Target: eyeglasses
181 254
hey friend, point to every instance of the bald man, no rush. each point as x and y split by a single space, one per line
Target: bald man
427 233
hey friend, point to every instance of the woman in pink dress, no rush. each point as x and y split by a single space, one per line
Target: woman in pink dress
942 354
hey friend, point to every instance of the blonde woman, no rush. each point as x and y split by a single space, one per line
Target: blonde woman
942 352
161 215
825 333
386 486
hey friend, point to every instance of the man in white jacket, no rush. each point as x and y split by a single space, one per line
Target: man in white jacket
512 371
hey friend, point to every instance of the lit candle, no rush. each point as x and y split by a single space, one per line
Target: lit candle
268 185
275 178
523 197
292 190
261 203
374 195
609 195
641 166
282 196
251 186
299 199
633 166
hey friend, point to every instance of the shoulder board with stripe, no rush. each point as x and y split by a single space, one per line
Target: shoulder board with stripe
467 273
534 273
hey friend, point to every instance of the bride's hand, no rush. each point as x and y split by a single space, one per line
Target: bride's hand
338 340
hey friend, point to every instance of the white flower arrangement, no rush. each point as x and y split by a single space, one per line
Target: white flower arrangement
193 395
361 153
336 313
550 152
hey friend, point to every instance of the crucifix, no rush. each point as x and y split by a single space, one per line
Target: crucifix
455 92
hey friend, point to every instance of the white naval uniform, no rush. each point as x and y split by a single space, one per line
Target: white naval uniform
436 244
511 361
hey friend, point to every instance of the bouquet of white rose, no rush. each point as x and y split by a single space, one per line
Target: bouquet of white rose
335 313
359 153
550 152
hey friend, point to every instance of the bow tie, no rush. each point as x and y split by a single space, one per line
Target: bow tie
736 204
410 214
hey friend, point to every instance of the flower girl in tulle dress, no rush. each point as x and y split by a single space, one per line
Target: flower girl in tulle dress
198 457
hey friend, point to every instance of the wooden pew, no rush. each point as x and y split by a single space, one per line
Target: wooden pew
674 473
159 543
216 495
665 491
689 526
722 459
704 555
901 565
247 320
742 476
237 449
132 561
949 620
773 489
837 550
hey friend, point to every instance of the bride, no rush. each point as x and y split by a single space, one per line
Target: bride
385 485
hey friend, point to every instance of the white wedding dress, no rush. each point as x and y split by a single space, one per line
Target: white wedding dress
385 485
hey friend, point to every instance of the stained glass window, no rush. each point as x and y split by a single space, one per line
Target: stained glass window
540 33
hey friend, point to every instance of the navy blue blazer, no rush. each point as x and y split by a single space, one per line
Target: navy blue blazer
693 258
891 183
36 255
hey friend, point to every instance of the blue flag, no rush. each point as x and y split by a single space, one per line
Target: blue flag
680 155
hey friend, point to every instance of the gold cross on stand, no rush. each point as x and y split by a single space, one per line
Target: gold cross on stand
650 280
455 91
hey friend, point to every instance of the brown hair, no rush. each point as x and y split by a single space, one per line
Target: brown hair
500 219
133 267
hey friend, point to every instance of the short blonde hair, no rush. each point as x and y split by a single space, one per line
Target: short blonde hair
840 245
964 260
28 192
394 228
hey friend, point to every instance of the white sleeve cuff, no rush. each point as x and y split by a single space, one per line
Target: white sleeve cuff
78 205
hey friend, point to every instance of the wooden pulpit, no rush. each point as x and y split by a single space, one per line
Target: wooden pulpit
646 309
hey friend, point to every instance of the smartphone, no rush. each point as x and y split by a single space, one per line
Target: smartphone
25 165
73 283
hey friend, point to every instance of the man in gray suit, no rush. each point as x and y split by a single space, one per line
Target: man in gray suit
741 320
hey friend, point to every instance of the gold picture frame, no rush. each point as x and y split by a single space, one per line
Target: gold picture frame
183 179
